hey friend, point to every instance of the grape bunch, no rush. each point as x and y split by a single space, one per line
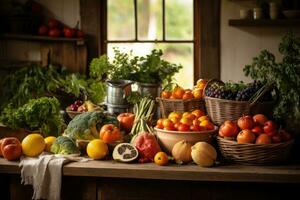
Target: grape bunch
246 93
233 91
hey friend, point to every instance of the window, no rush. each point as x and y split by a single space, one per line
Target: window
142 25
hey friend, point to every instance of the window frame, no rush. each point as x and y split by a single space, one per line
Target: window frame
206 43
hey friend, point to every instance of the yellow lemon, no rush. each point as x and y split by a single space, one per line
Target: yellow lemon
49 141
97 149
33 145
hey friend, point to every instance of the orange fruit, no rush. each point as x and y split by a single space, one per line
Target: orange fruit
161 158
178 92
33 145
198 113
97 149
187 95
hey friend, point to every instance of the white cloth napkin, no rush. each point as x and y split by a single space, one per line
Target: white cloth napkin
44 173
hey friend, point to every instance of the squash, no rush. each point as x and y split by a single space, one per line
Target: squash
204 154
182 152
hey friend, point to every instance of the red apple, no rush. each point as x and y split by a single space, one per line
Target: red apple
276 138
260 119
257 130
269 126
79 34
69 32
43 30
0 147
11 148
54 32
228 129
245 122
263 139
245 136
53 23
285 136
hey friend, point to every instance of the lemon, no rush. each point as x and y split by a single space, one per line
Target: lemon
97 149
33 145
49 141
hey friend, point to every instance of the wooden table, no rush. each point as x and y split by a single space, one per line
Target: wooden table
113 180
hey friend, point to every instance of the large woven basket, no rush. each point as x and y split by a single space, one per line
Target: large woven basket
169 105
255 154
220 110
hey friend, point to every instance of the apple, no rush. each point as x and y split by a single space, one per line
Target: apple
263 139
269 126
79 34
245 122
285 136
69 32
54 32
276 138
126 121
257 130
228 129
11 148
53 23
43 30
260 119
245 136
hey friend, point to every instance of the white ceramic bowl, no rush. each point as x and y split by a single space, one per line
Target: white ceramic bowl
167 139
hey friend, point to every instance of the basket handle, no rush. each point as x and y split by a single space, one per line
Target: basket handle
261 92
211 81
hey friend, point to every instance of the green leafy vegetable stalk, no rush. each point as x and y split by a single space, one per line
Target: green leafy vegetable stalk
285 75
41 114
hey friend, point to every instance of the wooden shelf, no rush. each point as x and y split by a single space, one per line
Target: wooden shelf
264 22
78 41
230 173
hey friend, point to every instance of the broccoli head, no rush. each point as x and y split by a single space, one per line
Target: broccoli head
84 126
64 145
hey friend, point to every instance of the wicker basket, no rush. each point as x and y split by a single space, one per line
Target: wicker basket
169 105
220 110
254 154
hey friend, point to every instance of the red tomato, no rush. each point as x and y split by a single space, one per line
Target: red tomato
53 23
54 32
11 148
276 138
183 127
167 123
165 94
245 136
285 136
69 32
126 121
109 133
269 126
43 30
228 129
260 119
245 122
257 130
79 34
263 139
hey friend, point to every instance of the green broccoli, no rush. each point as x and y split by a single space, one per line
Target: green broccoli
64 145
85 126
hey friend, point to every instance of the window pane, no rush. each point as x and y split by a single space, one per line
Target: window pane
120 20
179 19
149 19
177 53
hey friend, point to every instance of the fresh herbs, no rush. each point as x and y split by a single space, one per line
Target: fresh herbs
36 81
153 69
285 75
41 114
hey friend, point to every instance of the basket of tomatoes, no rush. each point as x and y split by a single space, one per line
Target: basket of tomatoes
254 140
181 100
192 127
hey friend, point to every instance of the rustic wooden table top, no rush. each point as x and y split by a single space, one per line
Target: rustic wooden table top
229 173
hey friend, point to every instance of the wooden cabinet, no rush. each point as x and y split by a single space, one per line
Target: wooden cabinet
67 52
